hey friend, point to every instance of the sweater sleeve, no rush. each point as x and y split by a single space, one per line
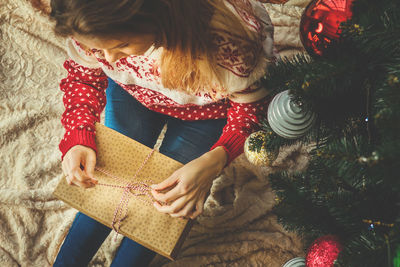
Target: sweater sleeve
84 99
241 65
242 120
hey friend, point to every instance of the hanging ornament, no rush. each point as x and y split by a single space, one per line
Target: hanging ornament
319 24
255 150
323 251
296 262
287 118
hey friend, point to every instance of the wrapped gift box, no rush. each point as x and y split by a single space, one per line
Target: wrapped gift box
118 159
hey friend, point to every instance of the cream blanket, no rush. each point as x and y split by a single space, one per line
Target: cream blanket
237 227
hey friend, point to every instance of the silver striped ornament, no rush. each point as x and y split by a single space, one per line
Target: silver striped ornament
296 262
287 118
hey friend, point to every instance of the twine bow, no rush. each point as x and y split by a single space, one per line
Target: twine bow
135 189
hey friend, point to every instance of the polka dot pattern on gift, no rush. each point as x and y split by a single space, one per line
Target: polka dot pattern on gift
121 156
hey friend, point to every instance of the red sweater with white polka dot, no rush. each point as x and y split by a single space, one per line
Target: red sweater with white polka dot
240 64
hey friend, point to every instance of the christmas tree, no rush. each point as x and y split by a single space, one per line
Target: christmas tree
351 187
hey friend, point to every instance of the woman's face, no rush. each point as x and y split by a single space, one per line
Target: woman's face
118 47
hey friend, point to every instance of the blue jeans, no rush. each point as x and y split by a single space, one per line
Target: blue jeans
183 141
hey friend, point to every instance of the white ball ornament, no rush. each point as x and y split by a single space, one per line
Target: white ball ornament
261 157
287 118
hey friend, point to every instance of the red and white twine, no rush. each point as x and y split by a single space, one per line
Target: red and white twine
135 189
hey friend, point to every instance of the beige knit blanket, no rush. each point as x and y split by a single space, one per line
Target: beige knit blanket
237 227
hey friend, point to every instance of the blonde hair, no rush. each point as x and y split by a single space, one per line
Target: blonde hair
195 70
184 28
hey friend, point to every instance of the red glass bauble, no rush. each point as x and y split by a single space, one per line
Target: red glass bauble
319 25
323 251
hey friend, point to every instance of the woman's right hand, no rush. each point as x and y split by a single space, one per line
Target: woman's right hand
75 157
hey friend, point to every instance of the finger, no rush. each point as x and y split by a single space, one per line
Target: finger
76 169
65 173
75 173
176 206
75 181
78 177
90 164
68 180
199 208
185 211
169 196
63 168
170 181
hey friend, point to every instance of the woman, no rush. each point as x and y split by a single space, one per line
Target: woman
191 64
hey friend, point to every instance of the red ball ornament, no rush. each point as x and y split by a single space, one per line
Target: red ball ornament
319 25
323 251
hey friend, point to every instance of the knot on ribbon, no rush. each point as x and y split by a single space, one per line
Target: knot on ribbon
136 189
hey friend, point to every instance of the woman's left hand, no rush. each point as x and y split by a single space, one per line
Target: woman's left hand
185 191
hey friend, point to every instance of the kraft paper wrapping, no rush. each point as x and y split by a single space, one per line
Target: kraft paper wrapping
122 156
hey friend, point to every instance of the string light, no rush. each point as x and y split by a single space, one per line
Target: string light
378 223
